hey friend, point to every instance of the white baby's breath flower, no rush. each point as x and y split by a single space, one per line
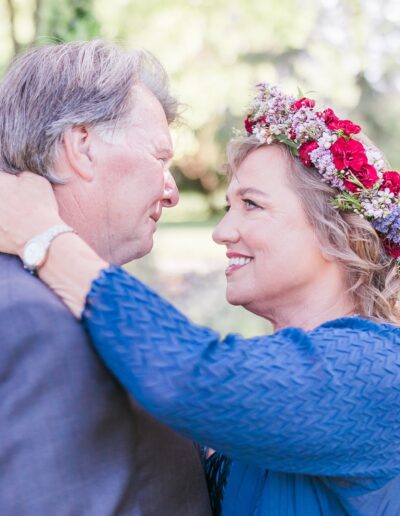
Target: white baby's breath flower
327 139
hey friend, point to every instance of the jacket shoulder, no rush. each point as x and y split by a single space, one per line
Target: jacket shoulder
22 292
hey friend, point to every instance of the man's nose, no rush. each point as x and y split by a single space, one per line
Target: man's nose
226 231
171 193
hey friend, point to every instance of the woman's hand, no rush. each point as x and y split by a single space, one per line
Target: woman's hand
27 208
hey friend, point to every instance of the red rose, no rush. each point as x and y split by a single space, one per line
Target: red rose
391 248
303 102
391 180
248 125
304 152
367 177
349 154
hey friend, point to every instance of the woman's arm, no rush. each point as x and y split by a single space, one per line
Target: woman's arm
69 270
323 403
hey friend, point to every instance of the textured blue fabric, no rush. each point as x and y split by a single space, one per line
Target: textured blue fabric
311 420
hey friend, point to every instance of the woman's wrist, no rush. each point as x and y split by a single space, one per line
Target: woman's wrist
69 270
30 231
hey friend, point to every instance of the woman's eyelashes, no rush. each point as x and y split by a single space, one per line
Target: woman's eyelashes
249 204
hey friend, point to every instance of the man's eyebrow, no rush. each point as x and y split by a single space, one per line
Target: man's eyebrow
165 151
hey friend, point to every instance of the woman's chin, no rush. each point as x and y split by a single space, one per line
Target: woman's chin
234 298
245 300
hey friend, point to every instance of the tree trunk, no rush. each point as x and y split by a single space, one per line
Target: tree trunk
36 21
11 11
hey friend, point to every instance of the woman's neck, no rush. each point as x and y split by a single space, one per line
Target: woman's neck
316 303
310 315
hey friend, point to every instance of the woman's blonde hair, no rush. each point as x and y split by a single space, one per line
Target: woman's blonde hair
372 276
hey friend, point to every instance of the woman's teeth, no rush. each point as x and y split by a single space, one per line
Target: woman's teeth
239 261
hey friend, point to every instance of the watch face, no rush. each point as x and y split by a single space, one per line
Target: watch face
34 254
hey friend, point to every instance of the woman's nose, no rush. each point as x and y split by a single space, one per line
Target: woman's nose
171 192
226 231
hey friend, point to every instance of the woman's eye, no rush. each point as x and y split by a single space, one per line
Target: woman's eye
250 204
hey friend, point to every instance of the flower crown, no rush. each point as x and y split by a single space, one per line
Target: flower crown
322 140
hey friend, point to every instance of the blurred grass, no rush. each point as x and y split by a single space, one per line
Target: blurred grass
187 268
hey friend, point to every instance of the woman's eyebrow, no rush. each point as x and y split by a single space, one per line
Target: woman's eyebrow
249 190
254 191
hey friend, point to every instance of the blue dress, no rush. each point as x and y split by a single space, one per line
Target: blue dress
310 420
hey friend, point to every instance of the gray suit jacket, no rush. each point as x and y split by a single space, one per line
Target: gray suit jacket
71 444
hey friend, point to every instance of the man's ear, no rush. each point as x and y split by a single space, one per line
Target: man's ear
78 148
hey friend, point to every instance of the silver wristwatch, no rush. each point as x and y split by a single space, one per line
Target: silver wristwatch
36 249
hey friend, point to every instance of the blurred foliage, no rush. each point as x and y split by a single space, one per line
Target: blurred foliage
345 53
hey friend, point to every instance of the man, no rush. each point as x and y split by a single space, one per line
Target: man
93 119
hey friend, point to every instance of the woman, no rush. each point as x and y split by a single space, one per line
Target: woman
306 420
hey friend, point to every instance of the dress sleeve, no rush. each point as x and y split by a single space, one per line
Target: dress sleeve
324 402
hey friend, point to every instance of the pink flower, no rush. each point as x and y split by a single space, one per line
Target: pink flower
391 180
329 117
335 124
305 150
248 125
302 102
367 177
347 127
349 154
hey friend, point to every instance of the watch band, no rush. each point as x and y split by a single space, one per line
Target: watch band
36 249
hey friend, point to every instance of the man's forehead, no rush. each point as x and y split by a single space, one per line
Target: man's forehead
157 133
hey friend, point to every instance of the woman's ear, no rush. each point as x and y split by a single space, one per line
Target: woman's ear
78 143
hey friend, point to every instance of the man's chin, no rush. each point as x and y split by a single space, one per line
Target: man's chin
139 252
124 255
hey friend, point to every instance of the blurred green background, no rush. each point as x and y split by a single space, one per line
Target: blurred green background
345 54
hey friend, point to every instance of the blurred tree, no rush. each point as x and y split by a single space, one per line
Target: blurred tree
13 36
65 21
346 53
50 20
215 51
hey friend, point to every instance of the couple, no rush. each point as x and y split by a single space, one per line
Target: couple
305 421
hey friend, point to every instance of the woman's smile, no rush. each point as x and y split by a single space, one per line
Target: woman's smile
236 262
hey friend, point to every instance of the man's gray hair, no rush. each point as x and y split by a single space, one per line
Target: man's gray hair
49 89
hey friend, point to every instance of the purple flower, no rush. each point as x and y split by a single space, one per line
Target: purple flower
389 225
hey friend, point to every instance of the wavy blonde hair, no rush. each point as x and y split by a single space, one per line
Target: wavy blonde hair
372 276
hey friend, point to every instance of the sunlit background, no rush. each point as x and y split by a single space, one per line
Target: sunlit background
345 54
